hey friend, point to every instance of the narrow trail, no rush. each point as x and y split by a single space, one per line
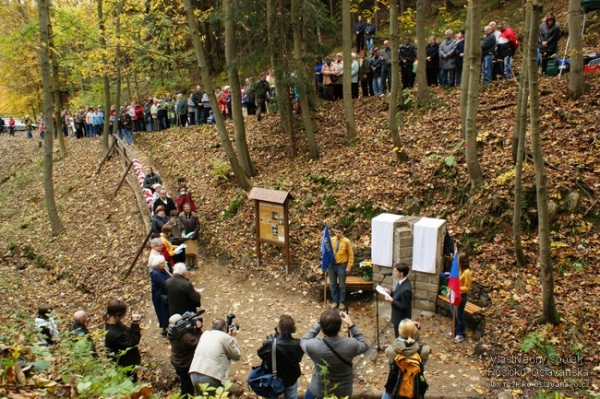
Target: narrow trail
258 298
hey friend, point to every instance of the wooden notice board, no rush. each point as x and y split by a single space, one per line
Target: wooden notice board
272 219
271 226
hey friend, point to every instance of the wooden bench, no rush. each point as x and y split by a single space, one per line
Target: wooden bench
470 308
353 282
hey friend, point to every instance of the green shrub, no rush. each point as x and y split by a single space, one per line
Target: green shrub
220 170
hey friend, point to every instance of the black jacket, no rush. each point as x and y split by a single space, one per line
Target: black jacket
182 349
197 99
288 357
408 53
402 303
488 45
150 180
182 295
370 31
169 205
122 338
433 50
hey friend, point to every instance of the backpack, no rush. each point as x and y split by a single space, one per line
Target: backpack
410 383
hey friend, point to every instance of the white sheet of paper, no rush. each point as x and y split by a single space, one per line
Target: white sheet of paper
382 291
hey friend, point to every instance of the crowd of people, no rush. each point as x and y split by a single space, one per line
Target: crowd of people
371 69
202 360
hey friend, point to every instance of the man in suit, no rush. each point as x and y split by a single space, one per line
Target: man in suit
401 296
182 295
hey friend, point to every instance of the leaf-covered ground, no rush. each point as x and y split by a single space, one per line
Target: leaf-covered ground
349 185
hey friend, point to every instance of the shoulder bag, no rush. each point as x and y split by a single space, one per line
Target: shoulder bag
264 383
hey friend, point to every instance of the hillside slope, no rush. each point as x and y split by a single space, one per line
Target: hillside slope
351 184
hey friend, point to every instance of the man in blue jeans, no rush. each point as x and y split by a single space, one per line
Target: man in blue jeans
344 260
488 49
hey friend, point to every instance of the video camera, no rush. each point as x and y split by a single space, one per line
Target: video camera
185 325
230 324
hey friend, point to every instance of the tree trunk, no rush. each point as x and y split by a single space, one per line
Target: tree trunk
464 80
394 90
44 16
422 88
241 178
519 144
303 82
550 315
347 76
473 55
575 89
236 94
118 69
56 91
106 84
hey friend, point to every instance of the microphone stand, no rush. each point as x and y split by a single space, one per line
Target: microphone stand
379 348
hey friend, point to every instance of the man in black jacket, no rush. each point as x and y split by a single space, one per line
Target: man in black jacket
182 295
182 353
288 355
488 50
406 57
401 296
197 99
359 30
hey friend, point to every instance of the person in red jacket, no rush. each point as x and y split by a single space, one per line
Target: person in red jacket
139 117
507 44
222 100
11 127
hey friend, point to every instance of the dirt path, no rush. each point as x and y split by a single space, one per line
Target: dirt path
258 299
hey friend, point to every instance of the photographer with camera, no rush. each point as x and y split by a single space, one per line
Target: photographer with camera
213 356
184 334
337 351
288 355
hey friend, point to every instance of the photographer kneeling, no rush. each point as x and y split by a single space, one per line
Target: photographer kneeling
184 334
213 356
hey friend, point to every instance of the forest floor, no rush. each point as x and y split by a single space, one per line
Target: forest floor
82 268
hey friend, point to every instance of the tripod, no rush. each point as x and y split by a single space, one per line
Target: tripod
379 348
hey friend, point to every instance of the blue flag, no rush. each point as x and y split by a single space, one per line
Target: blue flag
327 257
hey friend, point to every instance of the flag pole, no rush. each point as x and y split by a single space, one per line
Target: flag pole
325 288
453 321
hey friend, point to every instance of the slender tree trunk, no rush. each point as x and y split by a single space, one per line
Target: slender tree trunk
236 94
285 101
474 65
241 178
470 36
422 88
576 86
519 143
56 91
347 76
137 85
80 79
303 82
550 315
394 90
128 81
118 69
106 84
278 48
44 16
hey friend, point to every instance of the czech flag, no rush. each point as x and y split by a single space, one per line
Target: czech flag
327 256
454 282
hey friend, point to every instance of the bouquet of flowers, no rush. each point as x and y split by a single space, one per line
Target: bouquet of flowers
366 266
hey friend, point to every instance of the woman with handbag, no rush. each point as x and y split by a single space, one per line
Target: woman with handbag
288 355
159 277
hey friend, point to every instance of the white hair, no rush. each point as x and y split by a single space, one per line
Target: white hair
155 242
179 268
448 32
157 261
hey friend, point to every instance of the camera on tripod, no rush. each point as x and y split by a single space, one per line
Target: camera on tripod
231 326
185 325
